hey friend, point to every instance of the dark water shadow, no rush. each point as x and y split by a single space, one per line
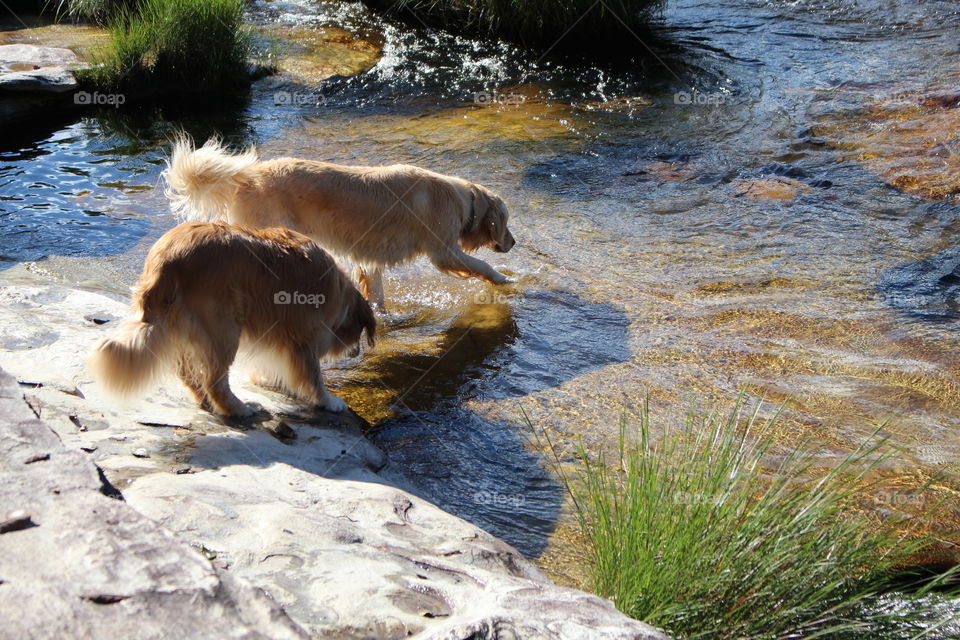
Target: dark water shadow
473 465
927 289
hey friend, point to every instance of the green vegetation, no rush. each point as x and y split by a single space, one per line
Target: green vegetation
694 534
164 45
99 11
543 23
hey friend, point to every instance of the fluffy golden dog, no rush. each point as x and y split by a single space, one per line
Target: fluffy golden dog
375 217
208 290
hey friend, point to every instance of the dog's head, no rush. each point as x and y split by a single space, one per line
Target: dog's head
487 222
357 319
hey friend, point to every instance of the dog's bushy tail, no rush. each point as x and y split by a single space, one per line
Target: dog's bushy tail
143 347
200 182
130 360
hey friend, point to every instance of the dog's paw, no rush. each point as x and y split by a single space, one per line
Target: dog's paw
241 411
333 404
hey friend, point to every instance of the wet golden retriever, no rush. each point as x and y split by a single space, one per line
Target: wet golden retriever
208 290
375 217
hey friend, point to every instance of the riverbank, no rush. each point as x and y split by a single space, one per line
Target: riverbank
293 525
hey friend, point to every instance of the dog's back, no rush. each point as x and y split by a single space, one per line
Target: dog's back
206 287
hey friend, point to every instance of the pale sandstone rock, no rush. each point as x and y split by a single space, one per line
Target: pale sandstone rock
304 508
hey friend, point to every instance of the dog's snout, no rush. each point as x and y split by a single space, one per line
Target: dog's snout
506 245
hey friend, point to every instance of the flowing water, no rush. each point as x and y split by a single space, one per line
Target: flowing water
714 210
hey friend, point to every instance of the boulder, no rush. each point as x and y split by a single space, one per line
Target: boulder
77 561
35 79
27 67
35 55
42 80
300 505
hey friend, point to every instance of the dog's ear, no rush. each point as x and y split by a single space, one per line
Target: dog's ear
479 207
495 223
474 233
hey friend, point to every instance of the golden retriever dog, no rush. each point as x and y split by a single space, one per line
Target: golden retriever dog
210 289
374 217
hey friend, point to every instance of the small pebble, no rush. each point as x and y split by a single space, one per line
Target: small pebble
284 430
140 453
15 521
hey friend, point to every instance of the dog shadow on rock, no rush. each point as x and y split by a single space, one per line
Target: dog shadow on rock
440 446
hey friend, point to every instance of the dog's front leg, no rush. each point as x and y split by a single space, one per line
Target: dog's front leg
464 265
305 379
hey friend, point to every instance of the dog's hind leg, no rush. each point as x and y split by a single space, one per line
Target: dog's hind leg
463 265
363 283
305 379
217 356
376 297
189 375
370 283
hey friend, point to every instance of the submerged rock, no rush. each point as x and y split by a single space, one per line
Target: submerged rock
772 188
300 505
311 54
911 140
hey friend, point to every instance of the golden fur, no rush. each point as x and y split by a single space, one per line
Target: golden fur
375 217
209 289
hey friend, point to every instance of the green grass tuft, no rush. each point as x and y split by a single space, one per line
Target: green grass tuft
98 11
698 535
181 45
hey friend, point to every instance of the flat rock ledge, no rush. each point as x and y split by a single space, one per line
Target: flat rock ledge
157 521
77 561
34 78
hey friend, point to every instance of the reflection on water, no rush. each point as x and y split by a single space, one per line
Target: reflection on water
651 257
